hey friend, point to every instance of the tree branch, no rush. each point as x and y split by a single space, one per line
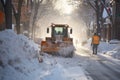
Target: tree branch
40 1
19 6
14 11
92 5
105 8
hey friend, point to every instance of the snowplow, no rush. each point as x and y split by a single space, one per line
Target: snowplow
59 43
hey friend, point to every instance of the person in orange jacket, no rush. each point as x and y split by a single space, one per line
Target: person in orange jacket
95 43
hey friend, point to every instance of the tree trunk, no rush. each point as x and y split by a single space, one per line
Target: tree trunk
18 24
18 15
35 8
98 17
2 17
8 14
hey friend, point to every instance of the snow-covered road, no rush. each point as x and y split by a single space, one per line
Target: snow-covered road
61 68
101 68
20 62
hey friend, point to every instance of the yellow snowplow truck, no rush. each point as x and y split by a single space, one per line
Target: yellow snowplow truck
60 42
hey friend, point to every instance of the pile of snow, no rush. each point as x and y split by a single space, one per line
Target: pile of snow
105 46
16 53
15 47
112 48
114 41
18 61
115 52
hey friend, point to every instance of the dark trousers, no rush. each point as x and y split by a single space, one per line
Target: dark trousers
95 46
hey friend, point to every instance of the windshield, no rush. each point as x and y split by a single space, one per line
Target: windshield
59 31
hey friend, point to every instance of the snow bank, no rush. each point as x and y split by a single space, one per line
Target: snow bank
105 46
14 47
18 61
16 52
112 48
115 52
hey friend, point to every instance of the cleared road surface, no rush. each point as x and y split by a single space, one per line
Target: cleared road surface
101 68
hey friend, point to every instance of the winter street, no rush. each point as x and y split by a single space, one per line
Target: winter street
102 68
21 61
59 39
95 67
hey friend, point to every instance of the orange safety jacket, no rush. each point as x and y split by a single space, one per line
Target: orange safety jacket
95 39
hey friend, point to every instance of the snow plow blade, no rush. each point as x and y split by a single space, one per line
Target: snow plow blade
50 50
64 49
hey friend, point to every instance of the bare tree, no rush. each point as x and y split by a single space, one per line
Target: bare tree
35 6
99 6
17 15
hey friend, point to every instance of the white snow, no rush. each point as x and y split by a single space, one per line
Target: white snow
111 48
104 14
19 61
66 50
